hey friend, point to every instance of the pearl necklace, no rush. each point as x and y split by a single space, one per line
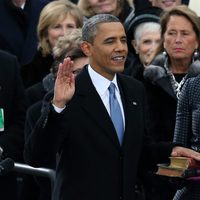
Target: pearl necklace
175 85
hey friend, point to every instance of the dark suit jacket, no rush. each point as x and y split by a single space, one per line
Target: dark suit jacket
12 100
18 34
91 163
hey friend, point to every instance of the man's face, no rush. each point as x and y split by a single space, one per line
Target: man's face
108 52
165 4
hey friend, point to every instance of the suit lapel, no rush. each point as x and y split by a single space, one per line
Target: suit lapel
93 105
132 110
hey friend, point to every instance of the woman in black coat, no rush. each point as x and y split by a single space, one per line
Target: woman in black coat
55 20
18 34
143 37
167 74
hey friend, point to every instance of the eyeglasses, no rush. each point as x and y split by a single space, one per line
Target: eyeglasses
76 72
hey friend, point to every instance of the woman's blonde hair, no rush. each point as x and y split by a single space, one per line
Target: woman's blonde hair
68 45
51 13
70 40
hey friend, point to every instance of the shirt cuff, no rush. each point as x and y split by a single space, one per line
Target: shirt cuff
58 110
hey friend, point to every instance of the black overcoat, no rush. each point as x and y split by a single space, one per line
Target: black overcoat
91 162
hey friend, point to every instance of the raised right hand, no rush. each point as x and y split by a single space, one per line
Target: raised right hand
65 84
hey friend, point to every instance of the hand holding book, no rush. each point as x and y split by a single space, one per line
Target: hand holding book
185 152
182 167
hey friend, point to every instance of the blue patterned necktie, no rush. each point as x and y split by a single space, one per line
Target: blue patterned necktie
115 113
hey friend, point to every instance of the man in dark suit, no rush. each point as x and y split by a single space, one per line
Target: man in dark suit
18 33
92 163
12 107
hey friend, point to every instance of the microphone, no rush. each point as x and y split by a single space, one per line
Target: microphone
6 166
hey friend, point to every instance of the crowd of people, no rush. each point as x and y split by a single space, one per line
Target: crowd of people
100 92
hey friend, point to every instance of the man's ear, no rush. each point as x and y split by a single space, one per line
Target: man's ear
135 46
86 48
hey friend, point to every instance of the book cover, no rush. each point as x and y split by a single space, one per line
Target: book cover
166 170
184 162
180 167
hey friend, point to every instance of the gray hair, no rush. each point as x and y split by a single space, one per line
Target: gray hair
90 27
71 39
146 26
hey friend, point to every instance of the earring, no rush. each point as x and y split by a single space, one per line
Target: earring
164 53
160 59
163 56
195 55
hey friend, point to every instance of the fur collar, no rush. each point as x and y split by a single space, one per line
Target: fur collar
157 71
48 82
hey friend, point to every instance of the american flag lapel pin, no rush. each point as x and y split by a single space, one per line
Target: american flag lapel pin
134 103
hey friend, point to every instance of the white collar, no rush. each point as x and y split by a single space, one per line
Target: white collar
100 82
22 6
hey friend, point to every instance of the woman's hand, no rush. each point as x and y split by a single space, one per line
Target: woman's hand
182 151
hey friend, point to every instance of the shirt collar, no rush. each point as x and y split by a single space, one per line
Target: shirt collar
101 83
22 6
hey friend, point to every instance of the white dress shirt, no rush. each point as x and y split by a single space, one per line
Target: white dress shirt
101 84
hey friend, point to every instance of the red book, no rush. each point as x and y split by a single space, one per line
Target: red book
182 167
